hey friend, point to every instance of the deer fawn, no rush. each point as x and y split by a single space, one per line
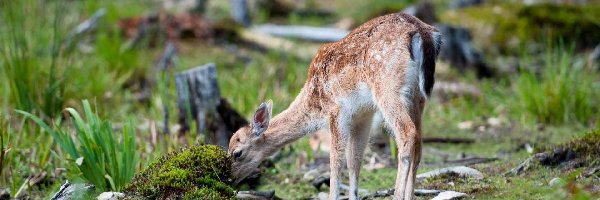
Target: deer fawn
384 66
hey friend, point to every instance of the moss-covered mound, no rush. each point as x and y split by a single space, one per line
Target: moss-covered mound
507 26
582 151
198 172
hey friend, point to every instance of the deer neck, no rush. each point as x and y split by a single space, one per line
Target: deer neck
293 123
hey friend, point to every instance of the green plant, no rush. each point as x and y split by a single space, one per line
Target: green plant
102 160
562 91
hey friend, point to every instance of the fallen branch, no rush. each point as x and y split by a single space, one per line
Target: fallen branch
256 195
470 161
318 34
418 192
460 171
67 190
448 140
84 27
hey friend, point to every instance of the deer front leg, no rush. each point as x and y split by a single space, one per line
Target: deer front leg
335 158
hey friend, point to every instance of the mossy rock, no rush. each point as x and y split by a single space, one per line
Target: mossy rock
197 172
505 27
584 150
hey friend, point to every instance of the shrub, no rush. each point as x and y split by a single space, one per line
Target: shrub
198 172
107 163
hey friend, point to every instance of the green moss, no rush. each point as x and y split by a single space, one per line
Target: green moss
509 25
198 172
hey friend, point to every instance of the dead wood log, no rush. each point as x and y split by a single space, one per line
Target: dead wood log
470 161
240 12
68 190
448 140
318 34
199 99
390 192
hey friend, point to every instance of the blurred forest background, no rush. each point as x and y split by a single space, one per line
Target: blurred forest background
516 80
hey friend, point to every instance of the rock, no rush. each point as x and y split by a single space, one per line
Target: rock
4 194
460 171
110 196
447 195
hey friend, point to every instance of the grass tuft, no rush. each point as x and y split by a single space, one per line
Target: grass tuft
102 160
561 91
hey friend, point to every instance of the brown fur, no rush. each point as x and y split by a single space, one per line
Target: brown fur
375 54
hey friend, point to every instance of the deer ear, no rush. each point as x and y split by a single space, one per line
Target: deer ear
260 122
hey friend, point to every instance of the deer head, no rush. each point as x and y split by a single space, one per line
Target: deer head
248 146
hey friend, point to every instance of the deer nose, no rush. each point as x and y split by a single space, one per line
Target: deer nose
237 154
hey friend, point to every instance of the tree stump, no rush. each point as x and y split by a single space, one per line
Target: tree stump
199 99
240 12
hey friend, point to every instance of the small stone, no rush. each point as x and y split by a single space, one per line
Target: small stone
447 195
528 148
494 121
555 181
110 196
465 125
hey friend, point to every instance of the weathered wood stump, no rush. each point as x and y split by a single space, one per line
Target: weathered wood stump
199 99
240 12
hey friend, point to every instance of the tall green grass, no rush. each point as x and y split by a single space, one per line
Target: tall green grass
31 61
106 162
561 91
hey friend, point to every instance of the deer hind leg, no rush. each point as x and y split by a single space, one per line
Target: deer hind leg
357 141
403 118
